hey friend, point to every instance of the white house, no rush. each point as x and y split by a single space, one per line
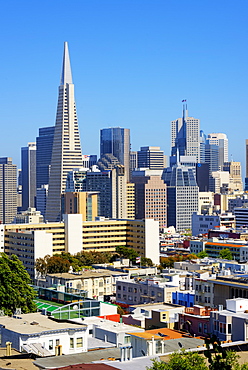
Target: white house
36 333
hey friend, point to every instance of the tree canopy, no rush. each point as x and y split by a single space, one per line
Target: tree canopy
226 254
15 291
126 252
202 254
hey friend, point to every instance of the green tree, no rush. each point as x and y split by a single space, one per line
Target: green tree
202 254
57 264
15 291
221 359
126 252
225 254
146 262
181 361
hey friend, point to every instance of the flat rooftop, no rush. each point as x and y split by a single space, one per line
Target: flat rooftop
87 274
31 323
166 334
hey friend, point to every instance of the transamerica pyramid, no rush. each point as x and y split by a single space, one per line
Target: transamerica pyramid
66 153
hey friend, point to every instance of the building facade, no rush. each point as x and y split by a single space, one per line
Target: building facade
116 141
28 159
66 153
8 190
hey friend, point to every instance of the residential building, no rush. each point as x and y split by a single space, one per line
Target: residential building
150 196
133 292
196 320
28 159
228 287
116 141
162 340
151 157
36 333
231 324
201 224
182 196
66 153
8 190
98 283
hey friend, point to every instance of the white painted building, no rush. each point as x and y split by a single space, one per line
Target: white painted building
35 332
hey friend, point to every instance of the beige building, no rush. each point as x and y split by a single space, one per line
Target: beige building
8 190
83 202
130 201
73 235
150 196
234 169
97 283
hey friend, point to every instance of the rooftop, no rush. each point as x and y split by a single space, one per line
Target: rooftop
162 333
32 323
86 274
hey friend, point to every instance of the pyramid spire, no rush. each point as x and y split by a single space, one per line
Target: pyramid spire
66 76
66 152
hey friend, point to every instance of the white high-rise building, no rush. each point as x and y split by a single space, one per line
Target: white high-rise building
185 136
221 141
66 153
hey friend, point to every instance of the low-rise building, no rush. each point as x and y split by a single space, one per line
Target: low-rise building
144 291
238 248
202 223
231 324
196 320
158 341
36 333
98 283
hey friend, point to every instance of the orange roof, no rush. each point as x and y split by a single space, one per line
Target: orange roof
226 244
169 334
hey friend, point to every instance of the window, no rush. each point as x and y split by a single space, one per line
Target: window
50 344
200 327
71 342
158 346
229 328
57 342
79 342
205 328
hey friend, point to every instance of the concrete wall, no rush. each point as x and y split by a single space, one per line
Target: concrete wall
152 240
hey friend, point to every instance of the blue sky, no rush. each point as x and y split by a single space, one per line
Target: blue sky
133 61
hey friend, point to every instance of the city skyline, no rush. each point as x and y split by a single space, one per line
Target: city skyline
134 77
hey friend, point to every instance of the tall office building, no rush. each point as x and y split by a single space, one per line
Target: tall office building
185 137
221 141
8 190
234 169
182 195
151 157
246 165
116 141
44 146
28 159
112 188
66 153
150 195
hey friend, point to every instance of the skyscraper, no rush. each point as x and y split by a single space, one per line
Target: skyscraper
116 141
66 153
246 165
182 195
185 137
44 147
8 190
151 157
221 141
28 158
